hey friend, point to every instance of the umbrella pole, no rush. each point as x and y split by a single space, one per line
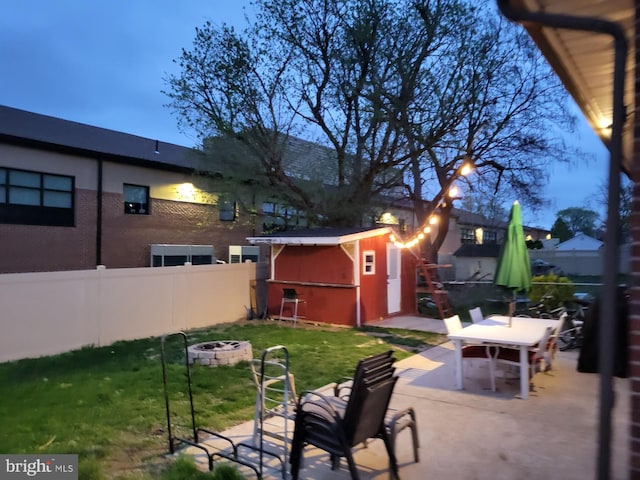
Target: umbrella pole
512 308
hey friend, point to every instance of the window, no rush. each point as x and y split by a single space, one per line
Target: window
490 236
281 217
467 235
34 198
368 262
136 199
228 210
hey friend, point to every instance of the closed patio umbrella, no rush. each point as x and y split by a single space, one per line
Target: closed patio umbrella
513 270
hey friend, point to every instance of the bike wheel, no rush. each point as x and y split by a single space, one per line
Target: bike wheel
566 340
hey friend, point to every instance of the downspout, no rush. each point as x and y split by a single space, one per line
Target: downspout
99 214
608 309
358 283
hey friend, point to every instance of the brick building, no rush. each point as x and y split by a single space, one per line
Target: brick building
73 196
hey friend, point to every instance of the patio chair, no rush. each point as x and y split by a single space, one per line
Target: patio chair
320 423
552 345
290 295
395 420
538 356
480 352
476 314
329 424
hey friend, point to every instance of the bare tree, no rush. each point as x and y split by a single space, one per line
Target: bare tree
401 93
502 101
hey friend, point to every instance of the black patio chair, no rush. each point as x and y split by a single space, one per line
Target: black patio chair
323 422
395 420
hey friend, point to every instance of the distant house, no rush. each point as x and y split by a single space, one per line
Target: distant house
74 196
475 262
580 255
472 245
580 242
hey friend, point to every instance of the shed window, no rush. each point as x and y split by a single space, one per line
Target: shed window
369 262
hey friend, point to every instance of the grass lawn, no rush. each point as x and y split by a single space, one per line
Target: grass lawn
107 404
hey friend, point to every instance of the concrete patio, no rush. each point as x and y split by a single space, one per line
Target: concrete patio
477 434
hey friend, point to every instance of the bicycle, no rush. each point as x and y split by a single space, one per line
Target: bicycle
571 333
540 309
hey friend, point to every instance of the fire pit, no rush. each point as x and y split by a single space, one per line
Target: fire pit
224 352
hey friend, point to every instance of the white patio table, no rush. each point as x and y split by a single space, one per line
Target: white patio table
523 333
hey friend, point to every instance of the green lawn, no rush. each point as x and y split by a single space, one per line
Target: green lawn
107 404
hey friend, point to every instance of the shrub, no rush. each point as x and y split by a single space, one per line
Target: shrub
227 472
551 290
184 468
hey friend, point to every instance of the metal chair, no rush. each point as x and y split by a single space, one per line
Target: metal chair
289 295
475 351
538 357
395 420
336 427
476 315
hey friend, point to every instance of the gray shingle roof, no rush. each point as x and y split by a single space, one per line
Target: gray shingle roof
26 128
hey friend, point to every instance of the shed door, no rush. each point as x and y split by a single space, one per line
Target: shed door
393 278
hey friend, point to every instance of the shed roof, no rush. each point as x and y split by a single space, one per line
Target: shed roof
320 236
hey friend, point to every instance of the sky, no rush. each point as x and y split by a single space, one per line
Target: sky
103 63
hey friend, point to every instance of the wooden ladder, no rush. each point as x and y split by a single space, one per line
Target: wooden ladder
435 288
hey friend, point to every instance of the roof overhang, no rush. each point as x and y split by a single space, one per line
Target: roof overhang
584 61
319 240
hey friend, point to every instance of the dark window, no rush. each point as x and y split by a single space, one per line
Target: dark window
228 210
174 260
489 236
136 199
281 217
35 198
467 235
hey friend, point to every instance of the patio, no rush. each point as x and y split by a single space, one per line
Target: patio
478 434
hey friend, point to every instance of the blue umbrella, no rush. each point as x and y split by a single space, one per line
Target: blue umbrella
513 270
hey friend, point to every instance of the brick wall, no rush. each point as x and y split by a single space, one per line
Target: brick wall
634 310
125 238
33 248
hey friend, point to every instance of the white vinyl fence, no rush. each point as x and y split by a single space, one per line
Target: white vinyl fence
54 312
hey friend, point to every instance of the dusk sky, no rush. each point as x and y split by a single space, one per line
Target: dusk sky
103 62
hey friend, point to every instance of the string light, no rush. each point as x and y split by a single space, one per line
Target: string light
466 169
449 190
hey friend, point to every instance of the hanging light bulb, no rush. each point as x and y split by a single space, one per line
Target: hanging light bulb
426 229
433 220
420 236
453 191
466 169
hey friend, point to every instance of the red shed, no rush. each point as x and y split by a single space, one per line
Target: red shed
342 276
